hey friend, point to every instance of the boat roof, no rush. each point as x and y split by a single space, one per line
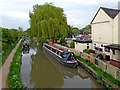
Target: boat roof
56 47
26 41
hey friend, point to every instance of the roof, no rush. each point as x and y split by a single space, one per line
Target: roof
110 12
83 41
113 46
85 36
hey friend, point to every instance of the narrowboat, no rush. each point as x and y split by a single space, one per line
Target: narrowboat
26 46
64 56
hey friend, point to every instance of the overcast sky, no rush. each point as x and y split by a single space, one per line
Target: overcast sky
14 13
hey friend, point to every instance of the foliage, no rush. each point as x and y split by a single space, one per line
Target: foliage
63 40
7 52
9 36
8 40
108 87
20 29
85 30
100 71
14 79
87 51
43 40
70 32
72 44
99 79
48 21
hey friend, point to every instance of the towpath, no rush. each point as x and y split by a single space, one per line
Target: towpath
4 71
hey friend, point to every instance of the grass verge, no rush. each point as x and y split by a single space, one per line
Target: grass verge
100 72
14 79
7 52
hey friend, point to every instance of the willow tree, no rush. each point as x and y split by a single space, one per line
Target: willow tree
48 21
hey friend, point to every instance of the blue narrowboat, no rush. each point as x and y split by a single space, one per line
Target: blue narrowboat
64 56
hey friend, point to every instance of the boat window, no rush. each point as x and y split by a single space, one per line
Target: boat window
61 54
58 52
71 57
64 55
53 50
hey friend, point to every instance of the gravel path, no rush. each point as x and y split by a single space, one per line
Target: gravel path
5 68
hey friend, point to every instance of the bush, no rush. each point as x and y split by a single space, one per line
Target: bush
43 40
87 51
72 44
63 40
6 53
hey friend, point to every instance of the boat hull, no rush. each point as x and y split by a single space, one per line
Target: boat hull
72 65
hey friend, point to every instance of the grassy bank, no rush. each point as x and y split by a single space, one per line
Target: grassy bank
14 79
7 52
100 72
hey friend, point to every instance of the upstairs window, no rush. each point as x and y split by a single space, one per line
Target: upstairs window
94 45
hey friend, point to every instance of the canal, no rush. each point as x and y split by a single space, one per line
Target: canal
40 70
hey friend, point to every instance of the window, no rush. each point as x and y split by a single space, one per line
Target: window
94 46
100 49
58 52
101 45
87 45
113 51
53 50
107 49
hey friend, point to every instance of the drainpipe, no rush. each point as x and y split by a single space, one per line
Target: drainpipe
112 34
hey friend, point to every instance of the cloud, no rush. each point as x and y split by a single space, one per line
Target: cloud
79 12
16 14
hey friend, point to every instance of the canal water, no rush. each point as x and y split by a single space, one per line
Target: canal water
41 70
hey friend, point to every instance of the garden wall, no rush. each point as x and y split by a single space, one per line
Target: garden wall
112 70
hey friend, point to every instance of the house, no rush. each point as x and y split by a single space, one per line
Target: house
83 42
106 34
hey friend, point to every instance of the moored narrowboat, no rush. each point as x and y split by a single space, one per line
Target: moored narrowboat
64 56
26 47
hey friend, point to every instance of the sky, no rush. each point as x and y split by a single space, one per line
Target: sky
15 13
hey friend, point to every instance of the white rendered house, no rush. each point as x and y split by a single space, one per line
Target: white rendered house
106 33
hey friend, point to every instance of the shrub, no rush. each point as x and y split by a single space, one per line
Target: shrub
43 40
87 51
63 40
72 44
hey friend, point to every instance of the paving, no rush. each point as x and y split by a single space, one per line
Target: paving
4 71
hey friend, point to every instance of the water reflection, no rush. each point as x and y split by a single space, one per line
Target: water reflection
43 73
40 70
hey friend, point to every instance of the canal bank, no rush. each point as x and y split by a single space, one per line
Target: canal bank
5 68
106 79
41 70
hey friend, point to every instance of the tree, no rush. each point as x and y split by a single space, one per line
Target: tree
20 29
48 21
86 29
